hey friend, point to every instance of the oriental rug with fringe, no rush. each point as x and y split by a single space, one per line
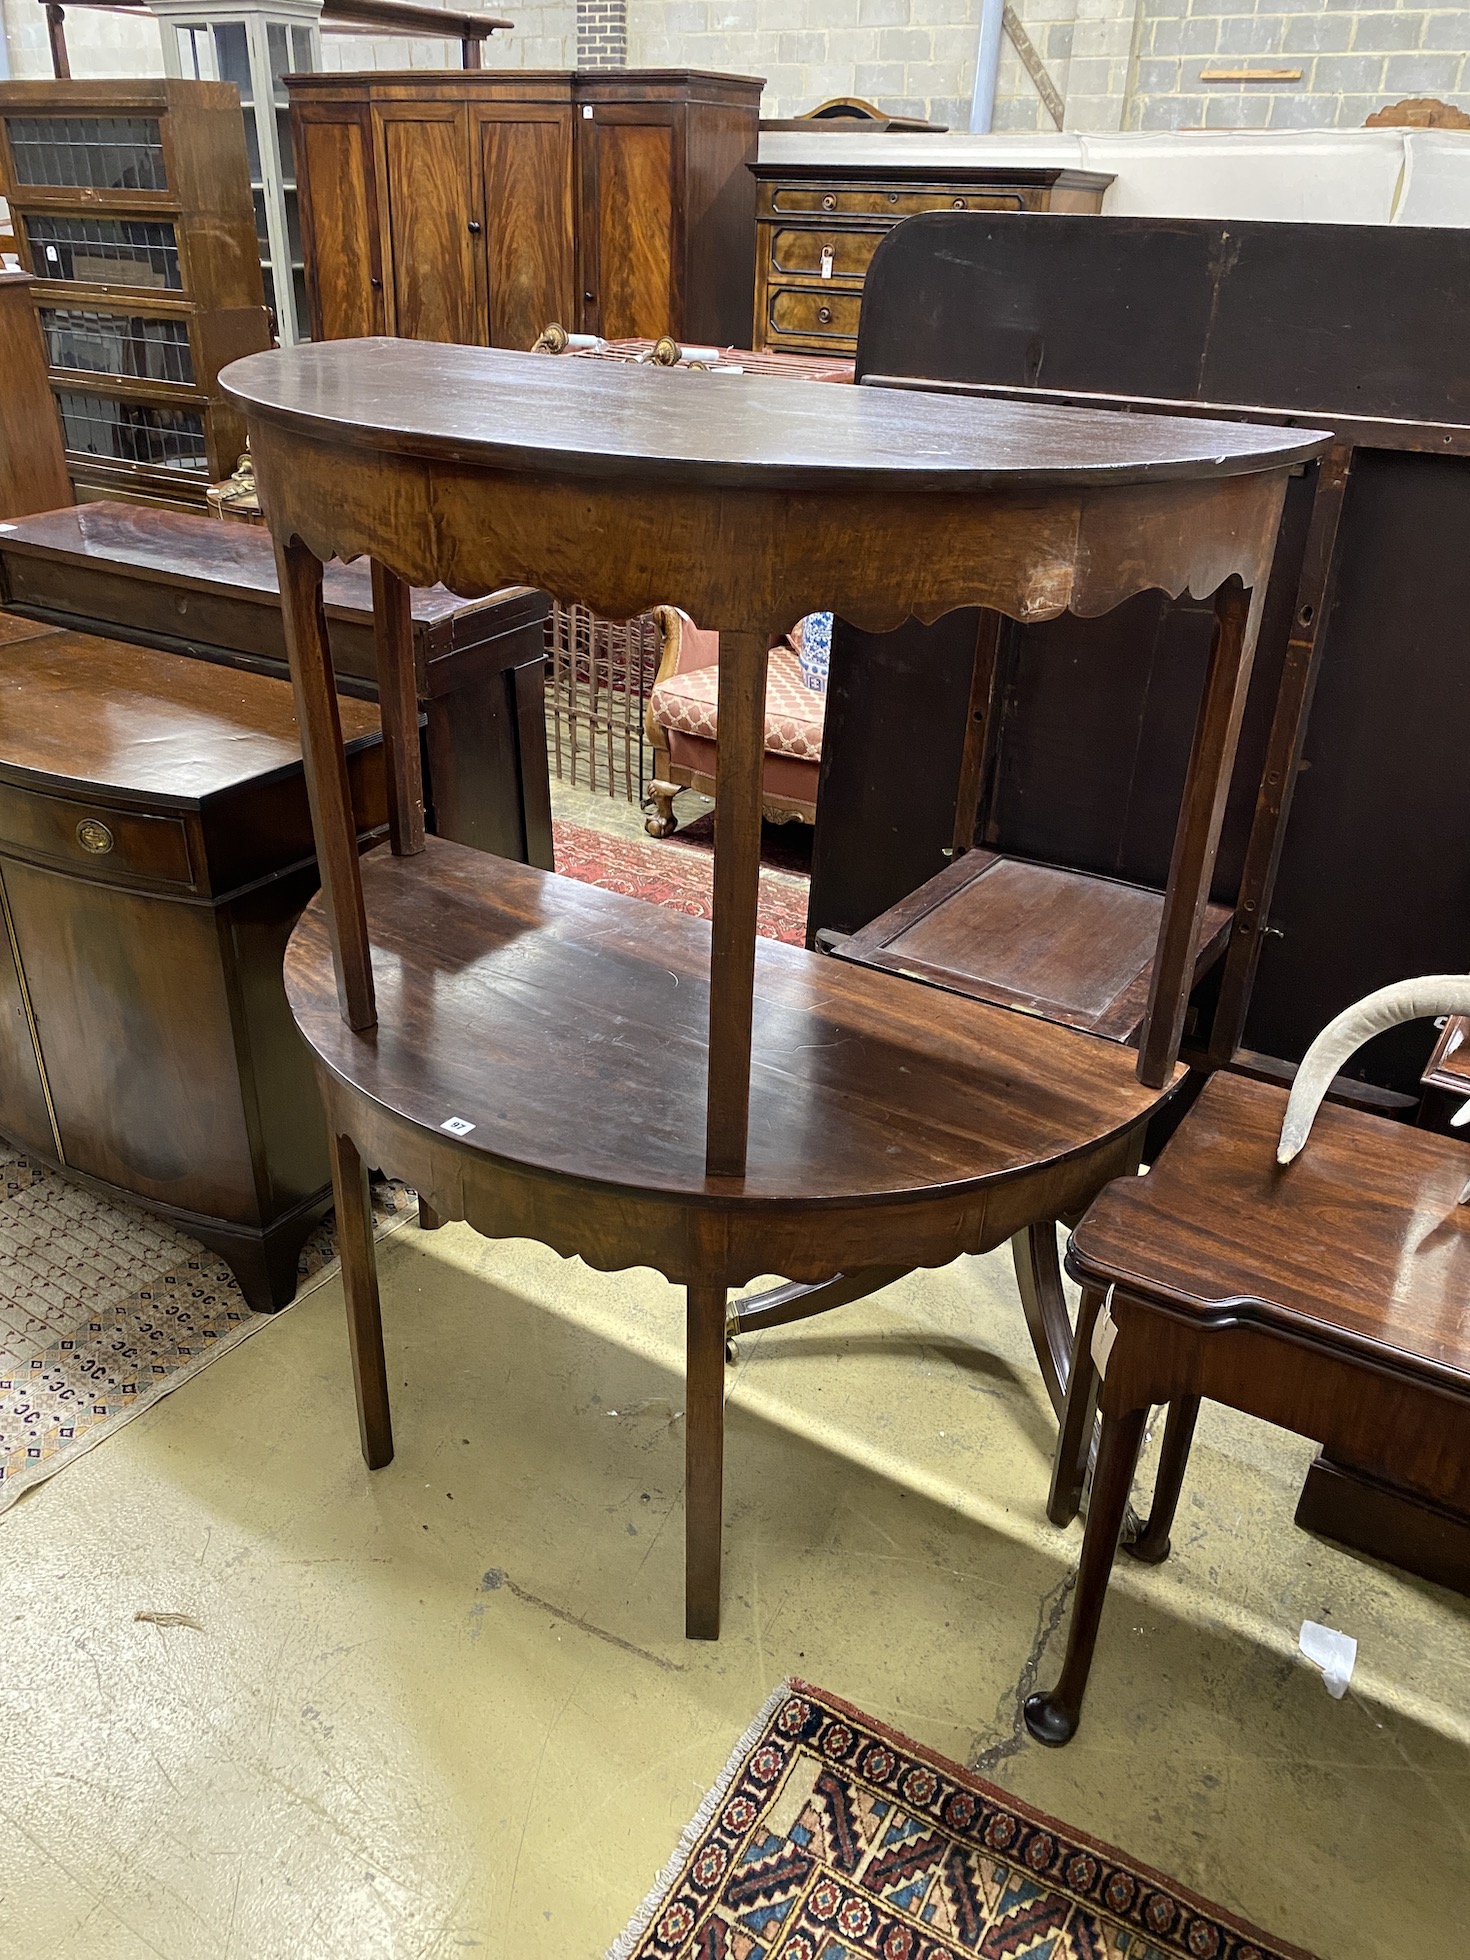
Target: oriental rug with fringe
831 1837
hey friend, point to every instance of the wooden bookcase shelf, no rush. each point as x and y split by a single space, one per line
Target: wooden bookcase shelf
132 211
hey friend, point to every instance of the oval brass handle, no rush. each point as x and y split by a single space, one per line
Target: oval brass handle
959 204
94 836
824 314
829 203
475 227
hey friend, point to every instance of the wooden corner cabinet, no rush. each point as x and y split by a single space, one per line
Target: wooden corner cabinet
819 225
132 212
477 207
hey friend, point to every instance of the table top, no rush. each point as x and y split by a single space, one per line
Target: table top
176 547
77 710
529 413
1359 1241
570 1026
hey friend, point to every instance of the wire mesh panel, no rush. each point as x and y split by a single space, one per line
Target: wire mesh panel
105 252
601 676
99 153
132 432
95 342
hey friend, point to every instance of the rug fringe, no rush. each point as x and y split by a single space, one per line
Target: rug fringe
623 1946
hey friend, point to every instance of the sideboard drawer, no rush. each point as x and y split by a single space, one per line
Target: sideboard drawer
797 313
874 201
107 844
800 250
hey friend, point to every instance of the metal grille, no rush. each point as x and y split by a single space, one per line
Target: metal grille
100 153
132 432
117 343
105 252
601 676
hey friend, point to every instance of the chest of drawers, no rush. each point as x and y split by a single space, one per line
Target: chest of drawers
818 226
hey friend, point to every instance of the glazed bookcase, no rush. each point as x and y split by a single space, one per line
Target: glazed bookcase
132 210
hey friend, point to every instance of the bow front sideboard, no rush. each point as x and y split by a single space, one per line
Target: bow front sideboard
627 1083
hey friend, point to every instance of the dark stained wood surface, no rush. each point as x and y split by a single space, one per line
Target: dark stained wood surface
1448 1067
155 852
78 711
569 1025
1075 948
32 465
527 413
1361 1239
1327 1297
13 629
196 586
1096 714
542 1060
178 549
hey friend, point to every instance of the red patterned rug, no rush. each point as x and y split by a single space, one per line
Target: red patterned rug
665 874
830 1837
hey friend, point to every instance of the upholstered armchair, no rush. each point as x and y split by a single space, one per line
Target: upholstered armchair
682 723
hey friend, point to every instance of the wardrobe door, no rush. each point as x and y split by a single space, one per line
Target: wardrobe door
340 224
423 150
632 246
524 156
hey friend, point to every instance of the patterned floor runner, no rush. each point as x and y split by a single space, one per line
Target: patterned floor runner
103 1309
830 1837
666 874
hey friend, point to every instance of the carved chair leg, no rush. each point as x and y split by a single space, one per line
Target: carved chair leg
704 1452
360 1284
1052 1716
1152 1543
1079 1417
1044 1302
663 822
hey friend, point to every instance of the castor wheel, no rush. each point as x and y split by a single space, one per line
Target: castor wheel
1048 1721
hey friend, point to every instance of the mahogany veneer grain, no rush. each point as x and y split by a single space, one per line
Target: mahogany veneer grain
543 1063
1327 1296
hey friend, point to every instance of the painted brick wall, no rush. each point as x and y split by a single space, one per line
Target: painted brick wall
1119 64
103 44
1353 59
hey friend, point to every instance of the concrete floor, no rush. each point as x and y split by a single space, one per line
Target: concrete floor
447 1707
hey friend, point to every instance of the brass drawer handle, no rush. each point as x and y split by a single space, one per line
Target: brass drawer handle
824 314
959 204
94 836
829 202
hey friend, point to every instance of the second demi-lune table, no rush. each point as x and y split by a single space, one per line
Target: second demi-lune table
632 1085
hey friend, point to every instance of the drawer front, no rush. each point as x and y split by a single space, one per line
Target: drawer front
113 846
875 201
801 251
830 319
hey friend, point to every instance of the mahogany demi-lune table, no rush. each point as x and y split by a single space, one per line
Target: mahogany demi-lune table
625 1083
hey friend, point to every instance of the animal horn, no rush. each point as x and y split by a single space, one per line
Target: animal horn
1407 1000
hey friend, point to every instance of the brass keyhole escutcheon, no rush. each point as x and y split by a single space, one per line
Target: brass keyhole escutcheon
94 836
824 314
829 202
